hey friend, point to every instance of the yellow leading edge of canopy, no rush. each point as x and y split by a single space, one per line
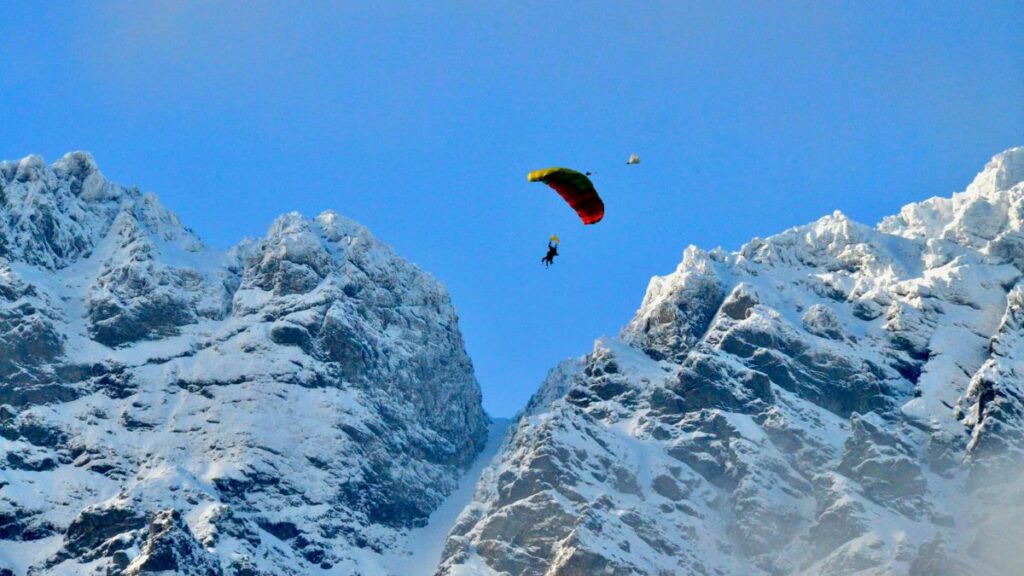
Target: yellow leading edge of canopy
540 175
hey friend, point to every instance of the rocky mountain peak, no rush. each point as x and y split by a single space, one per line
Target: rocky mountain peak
53 216
1001 174
987 216
293 405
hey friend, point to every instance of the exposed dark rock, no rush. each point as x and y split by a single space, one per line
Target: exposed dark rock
170 547
95 525
884 464
156 317
289 335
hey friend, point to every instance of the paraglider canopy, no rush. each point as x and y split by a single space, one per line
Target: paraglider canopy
575 188
633 159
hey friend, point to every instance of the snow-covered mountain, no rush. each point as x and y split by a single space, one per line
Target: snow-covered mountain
292 406
836 399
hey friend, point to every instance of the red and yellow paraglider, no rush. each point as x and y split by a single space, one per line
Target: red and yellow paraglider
575 188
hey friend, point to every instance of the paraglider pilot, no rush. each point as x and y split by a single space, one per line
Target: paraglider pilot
549 259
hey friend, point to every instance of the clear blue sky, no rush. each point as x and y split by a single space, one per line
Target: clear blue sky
422 122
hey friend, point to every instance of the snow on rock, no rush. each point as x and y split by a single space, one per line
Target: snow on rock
835 399
295 405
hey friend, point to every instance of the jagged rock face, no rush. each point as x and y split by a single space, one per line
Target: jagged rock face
171 547
293 405
835 399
